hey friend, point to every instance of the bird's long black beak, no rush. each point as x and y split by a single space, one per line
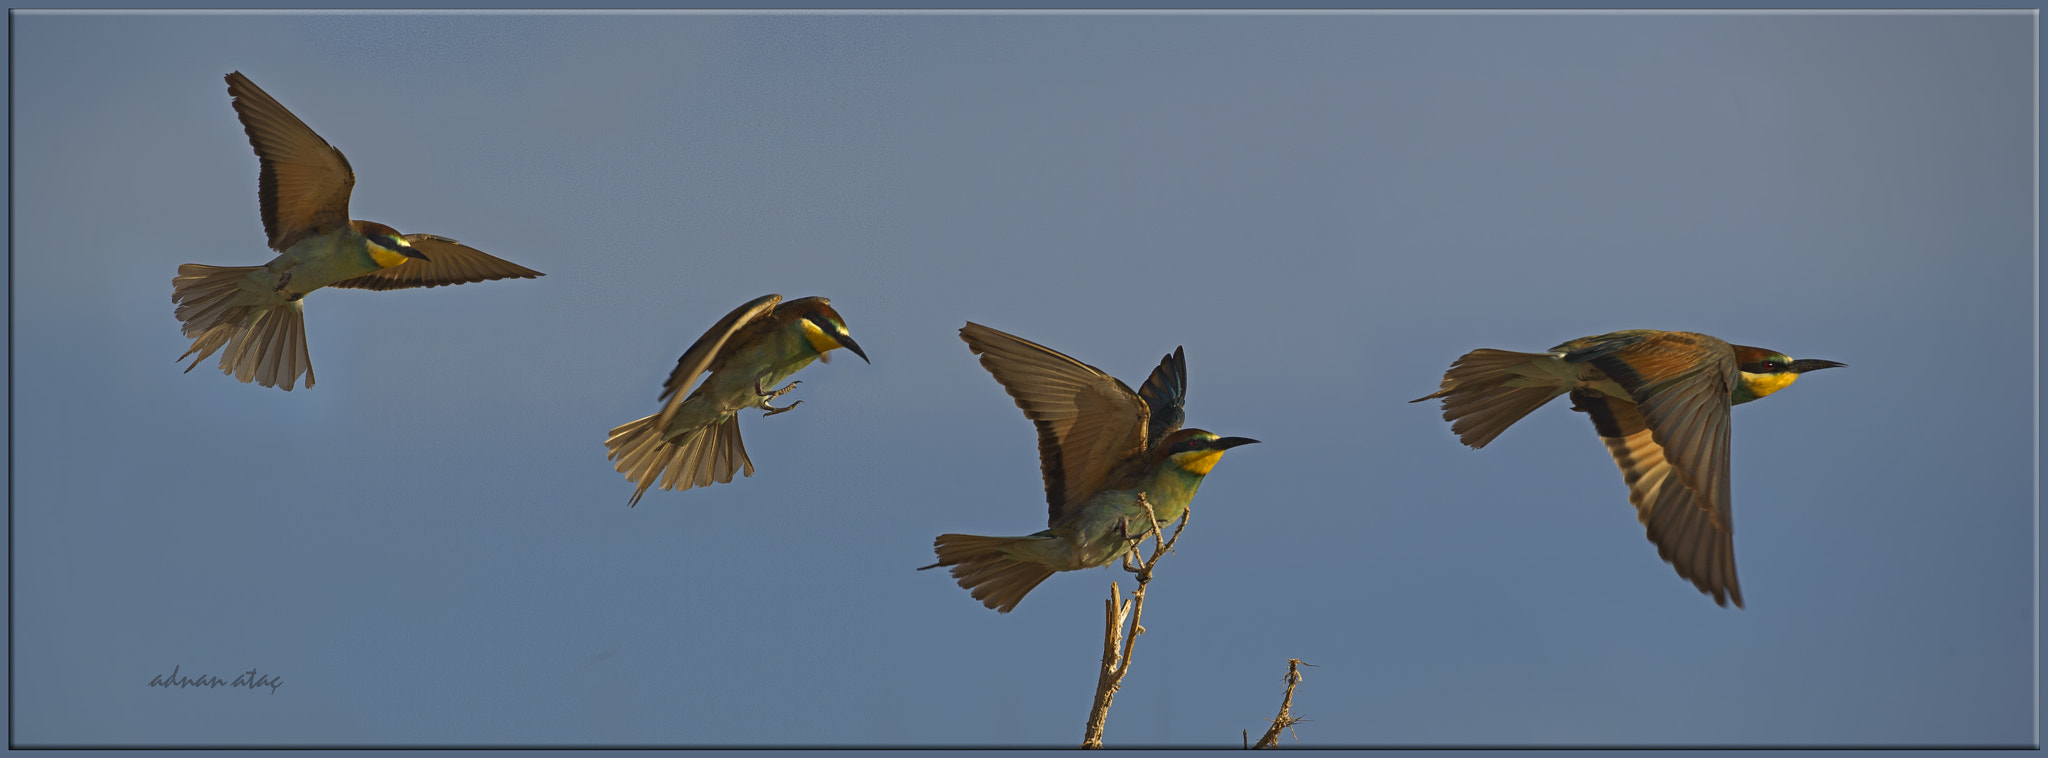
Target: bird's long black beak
1226 443
846 341
411 252
1804 365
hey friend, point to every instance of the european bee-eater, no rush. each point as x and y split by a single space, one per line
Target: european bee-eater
1100 445
695 440
303 187
1659 400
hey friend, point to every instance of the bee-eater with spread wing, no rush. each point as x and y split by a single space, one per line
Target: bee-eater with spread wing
1100 446
695 440
303 187
1659 400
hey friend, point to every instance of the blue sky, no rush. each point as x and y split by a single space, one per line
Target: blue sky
429 547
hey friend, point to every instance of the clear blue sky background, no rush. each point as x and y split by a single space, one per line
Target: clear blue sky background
429 547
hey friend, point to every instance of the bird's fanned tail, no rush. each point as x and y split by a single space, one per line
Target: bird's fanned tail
265 343
695 459
985 567
1488 390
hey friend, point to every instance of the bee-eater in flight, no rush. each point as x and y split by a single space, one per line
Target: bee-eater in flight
1659 400
302 187
1100 446
695 440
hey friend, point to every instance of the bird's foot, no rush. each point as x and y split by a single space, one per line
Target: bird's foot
282 280
767 395
1131 544
772 394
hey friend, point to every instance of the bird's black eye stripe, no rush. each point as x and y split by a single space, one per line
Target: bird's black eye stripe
824 325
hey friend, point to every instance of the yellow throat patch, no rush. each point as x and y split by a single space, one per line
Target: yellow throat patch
1765 384
1198 462
386 257
820 341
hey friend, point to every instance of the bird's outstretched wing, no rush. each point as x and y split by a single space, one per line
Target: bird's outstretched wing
1680 382
1088 421
698 358
448 262
1164 392
303 183
1671 444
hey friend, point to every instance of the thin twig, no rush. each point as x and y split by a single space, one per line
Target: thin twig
1285 720
1114 664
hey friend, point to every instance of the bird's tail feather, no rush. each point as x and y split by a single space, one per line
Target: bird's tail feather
985 567
696 459
266 343
1488 390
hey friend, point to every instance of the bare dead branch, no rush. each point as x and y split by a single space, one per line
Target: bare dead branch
1114 664
1110 679
1285 720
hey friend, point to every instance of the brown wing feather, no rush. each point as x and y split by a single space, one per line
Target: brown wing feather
700 355
1691 529
303 183
1088 422
1680 382
448 262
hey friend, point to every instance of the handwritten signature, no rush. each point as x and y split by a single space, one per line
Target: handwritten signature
249 679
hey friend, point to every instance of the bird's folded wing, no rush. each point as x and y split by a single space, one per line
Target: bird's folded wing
302 183
448 262
1692 530
701 354
1088 421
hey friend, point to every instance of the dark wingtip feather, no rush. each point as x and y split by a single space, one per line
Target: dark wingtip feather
1164 393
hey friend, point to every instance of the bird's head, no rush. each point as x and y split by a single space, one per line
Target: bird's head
1765 372
387 247
825 329
1196 451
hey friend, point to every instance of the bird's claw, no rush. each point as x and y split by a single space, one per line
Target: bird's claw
1123 530
767 394
282 280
